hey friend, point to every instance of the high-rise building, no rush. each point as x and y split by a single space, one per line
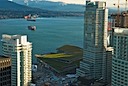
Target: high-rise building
120 57
5 71
120 20
19 49
95 39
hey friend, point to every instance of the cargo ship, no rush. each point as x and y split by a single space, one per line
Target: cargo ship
30 17
32 28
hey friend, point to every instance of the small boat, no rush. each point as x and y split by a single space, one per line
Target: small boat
32 27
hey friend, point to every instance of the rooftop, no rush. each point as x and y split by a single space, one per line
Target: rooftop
123 31
66 57
56 55
3 57
96 3
109 48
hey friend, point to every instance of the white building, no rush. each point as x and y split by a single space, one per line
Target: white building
95 39
19 49
120 57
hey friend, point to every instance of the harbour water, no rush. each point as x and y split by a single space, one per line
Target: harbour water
50 34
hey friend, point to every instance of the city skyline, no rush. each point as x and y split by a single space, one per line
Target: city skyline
64 49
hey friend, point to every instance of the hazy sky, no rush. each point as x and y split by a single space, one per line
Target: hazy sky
109 2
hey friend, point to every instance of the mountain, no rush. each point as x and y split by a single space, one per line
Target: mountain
9 9
9 5
54 6
58 6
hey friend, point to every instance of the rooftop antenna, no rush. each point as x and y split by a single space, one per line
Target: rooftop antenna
118 15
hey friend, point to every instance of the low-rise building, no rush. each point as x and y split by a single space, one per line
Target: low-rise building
5 71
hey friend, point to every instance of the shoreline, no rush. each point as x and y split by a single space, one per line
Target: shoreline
20 14
45 17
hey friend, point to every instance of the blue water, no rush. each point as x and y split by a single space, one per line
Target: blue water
51 33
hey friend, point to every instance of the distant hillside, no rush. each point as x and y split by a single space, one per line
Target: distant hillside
8 5
10 9
54 6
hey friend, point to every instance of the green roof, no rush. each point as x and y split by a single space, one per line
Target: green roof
70 48
61 60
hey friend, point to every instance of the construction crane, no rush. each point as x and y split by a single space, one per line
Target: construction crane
118 15
118 12
121 18
118 5
126 5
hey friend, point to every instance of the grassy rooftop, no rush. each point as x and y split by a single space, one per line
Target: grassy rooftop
56 55
55 64
73 57
70 49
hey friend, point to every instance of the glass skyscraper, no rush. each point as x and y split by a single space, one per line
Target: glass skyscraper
95 39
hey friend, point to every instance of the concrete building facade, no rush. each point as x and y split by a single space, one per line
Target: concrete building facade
120 57
5 71
107 66
19 49
95 39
